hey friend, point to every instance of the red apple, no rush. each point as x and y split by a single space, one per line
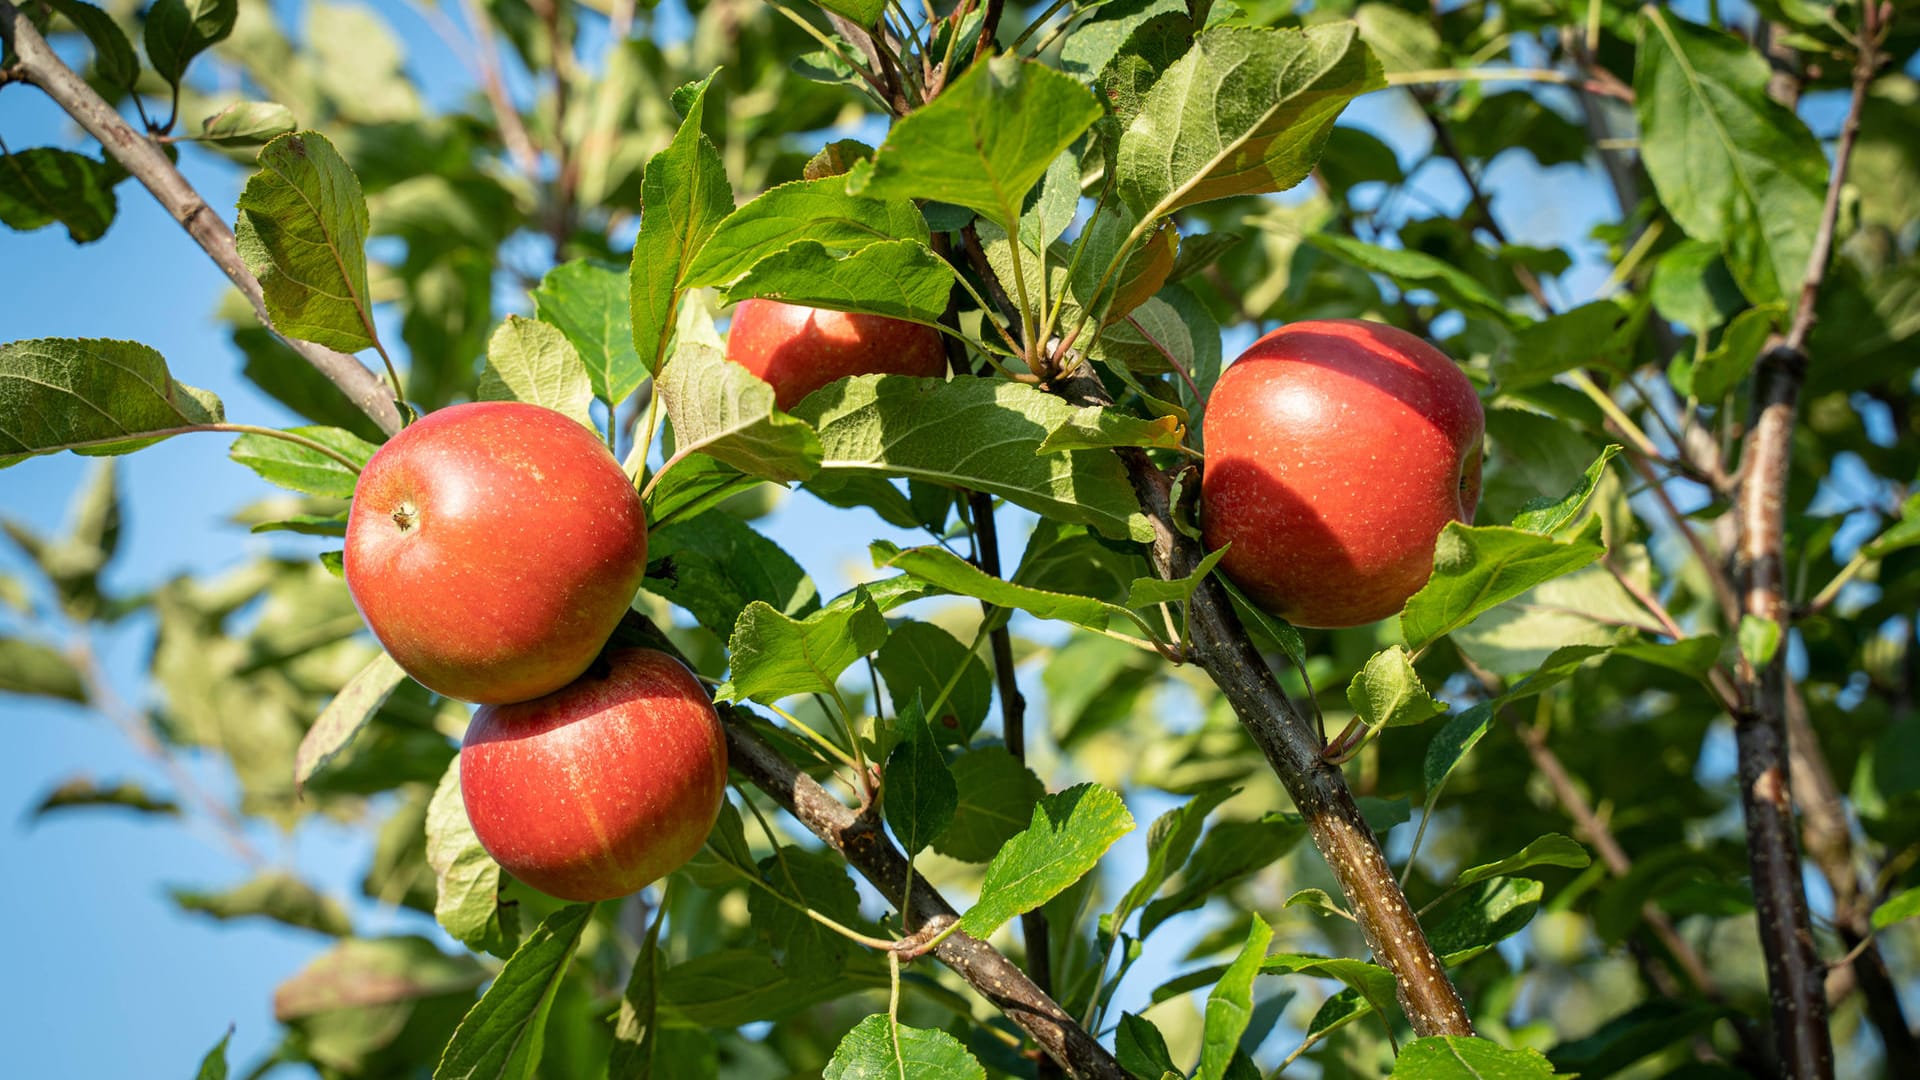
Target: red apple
798 350
1336 452
493 547
600 787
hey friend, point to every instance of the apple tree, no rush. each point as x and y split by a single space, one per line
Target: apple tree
1626 786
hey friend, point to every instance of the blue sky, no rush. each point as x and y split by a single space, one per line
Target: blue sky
117 982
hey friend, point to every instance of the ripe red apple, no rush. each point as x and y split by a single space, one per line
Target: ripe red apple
602 786
493 547
798 350
1336 452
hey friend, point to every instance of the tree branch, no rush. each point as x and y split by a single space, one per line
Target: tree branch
144 160
860 839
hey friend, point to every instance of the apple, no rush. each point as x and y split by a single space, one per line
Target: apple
602 786
1337 450
492 548
798 350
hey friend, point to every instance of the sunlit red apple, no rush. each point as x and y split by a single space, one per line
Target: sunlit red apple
798 350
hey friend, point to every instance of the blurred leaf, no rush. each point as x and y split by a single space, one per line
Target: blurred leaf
997 794
1318 900
900 279
1403 40
534 362
588 302
114 61
503 1034
298 468
1599 333
248 123
83 792
1727 364
1246 111
1170 840
1454 1057
1547 515
920 795
984 142
1646 1028
1387 692
357 973
1732 166
274 367
1230 852
1463 730
91 397
1414 270
1903 533
1069 832
1901 907
636 1034
179 30
878 1048
345 715
721 410
1230 1004
863 13
1552 849
922 660
720 564
686 195
1477 568
28 667
275 895
214 1065
819 211
303 232
1691 286
774 656
1759 639
466 879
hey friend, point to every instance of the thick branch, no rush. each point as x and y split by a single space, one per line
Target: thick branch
144 161
1287 738
866 848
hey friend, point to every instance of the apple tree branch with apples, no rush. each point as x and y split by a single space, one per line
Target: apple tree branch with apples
1363 543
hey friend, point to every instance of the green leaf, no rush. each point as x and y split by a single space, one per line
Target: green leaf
819 211
589 303
636 1034
81 792
878 1048
1096 428
359 972
44 185
1463 731
1318 900
685 195
345 715
1230 852
1414 270
719 565
984 142
730 987
1728 363
978 434
28 667
214 1065
863 13
1731 165
1459 1057
274 367
1371 982
91 397
248 123
1170 840
179 30
1691 286
1145 592
1475 569
901 279
1387 692
298 468
1601 332
502 1035
813 880
303 232
1901 907
1486 914
920 796
1547 515
722 410
693 487
467 880
1246 111
1759 639
1403 40
535 362
996 799
956 575
1069 832
775 656
1903 533
1230 1004
1141 1049
922 660
275 895
114 61
1552 849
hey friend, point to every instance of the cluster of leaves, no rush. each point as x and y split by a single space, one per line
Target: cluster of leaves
1113 169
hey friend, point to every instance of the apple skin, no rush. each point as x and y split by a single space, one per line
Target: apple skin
1337 450
492 548
601 787
798 350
